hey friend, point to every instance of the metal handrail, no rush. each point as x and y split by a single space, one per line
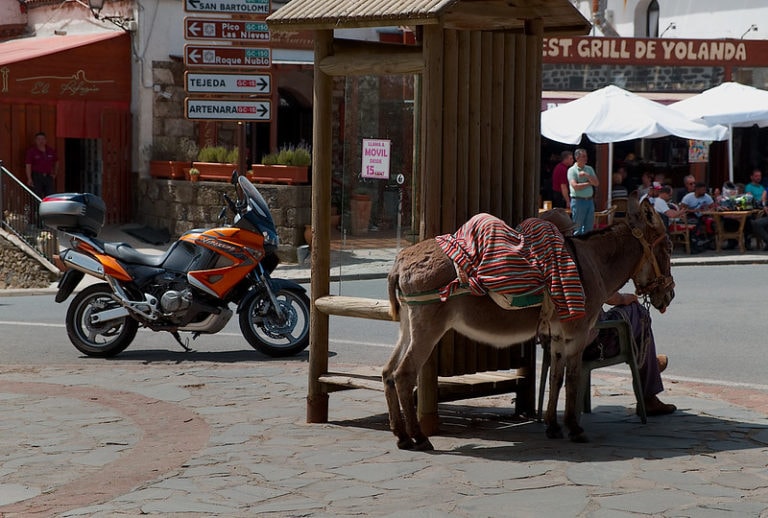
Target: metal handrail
20 215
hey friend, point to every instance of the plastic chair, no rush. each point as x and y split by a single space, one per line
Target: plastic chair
626 355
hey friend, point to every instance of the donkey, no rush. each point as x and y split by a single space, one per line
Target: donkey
606 259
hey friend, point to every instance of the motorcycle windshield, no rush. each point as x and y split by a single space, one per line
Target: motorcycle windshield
259 213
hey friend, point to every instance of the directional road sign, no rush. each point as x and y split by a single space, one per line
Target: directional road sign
226 30
227 6
222 109
223 83
227 57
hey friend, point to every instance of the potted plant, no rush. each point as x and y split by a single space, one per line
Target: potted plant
168 157
194 174
216 163
289 165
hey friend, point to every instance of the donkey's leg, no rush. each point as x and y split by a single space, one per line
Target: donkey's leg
396 423
556 370
572 383
425 332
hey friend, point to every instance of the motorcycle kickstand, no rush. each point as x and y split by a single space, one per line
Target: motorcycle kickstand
183 343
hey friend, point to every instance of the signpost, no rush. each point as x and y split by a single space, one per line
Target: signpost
227 6
225 30
248 85
227 57
226 109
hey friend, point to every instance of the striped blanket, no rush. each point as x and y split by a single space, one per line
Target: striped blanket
514 262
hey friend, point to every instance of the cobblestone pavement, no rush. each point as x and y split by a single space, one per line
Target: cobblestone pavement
208 439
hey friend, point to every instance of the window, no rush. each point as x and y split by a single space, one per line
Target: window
652 20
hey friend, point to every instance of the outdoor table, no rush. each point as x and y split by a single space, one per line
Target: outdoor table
721 234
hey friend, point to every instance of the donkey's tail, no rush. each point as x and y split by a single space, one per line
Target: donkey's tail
394 304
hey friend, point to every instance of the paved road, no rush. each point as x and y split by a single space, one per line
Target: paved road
712 331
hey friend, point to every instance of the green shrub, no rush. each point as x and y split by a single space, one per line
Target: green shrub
289 155
218 154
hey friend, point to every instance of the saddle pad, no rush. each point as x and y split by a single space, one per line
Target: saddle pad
514 262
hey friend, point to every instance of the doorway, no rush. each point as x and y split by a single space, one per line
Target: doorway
82 169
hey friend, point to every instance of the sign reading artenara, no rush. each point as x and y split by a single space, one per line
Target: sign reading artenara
220 109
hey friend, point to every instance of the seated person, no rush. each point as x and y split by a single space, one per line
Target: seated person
664 206
626 307
694 203
755 187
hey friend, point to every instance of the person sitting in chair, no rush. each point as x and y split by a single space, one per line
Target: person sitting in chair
604 342
626 307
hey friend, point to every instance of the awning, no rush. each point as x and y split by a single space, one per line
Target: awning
22 49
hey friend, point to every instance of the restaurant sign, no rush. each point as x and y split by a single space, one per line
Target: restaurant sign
650 51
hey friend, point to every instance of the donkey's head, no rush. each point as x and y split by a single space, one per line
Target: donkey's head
652 276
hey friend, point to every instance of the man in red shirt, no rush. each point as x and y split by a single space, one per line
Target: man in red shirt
560 191
41 166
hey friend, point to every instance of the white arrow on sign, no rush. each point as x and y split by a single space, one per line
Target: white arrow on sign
224 109
194 29
193 56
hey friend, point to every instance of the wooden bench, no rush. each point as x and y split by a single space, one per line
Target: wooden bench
479 371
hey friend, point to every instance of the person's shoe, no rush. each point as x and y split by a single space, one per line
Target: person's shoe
653 406
663 361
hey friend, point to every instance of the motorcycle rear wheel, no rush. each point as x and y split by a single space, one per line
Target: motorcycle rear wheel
271 337
101 340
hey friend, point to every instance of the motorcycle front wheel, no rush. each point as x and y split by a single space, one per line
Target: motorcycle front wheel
98 339
271 335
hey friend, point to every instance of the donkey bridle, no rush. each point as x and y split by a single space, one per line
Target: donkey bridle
661 281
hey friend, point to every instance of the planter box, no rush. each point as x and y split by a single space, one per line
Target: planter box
167 168
214 171
290 174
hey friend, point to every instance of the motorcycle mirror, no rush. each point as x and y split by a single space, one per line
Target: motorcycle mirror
233 178
223 213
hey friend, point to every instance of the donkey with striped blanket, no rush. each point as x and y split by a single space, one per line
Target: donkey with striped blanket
538 262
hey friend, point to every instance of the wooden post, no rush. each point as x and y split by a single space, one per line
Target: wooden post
431 192
317 395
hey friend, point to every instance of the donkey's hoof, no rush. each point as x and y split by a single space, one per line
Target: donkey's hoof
406 444
424 445
554 432
579 437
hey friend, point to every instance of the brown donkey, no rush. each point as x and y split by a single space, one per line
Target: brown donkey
638 249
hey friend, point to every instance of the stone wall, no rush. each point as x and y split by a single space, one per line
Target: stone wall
182 205
578 77
21 271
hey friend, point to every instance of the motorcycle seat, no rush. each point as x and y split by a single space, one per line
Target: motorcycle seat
130 255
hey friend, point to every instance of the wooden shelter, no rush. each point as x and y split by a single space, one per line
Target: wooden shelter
479 63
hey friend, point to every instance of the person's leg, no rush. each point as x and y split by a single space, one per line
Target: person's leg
579 214
640 321
589 217
38 184
49 186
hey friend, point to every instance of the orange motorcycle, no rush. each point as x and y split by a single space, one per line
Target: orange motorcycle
189 288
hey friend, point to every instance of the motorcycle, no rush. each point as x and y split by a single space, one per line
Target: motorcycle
189 288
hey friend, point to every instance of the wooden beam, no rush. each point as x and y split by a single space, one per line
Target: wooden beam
310 24
359 307
322 149
352 58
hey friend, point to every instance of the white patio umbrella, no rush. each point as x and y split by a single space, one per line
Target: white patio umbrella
612 114
732 104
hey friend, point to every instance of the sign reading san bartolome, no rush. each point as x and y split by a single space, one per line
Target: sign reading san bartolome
227 6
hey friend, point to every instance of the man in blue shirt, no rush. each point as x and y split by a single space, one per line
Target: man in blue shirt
755 186
582 181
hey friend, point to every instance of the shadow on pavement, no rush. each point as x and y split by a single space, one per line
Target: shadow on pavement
614 434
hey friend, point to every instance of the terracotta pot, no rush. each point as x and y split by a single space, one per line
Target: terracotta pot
167 168
360 207
214 171
290 174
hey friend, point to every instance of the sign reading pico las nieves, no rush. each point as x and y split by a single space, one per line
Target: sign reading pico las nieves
376 158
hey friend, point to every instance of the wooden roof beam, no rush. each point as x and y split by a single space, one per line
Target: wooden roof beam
354 58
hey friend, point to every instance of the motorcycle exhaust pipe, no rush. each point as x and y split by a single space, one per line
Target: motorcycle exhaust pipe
83 263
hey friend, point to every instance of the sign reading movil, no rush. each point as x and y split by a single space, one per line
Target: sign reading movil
223 83
650 50
376 158
227 6
221 109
